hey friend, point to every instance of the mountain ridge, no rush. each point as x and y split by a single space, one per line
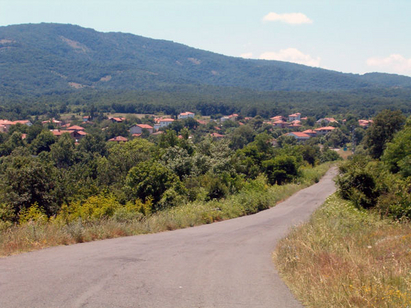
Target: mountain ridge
38 59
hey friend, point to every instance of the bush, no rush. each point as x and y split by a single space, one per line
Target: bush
358 182
281 169
34 213
92 209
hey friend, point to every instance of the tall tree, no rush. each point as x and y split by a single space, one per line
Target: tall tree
385 125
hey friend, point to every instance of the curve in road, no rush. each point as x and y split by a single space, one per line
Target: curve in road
225 264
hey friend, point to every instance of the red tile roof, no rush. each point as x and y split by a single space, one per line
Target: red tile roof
119 139
75 127
60 132
146 126
300 135
309 131
216 135
325 128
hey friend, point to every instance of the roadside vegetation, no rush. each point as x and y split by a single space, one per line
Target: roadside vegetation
102 217
347 257
59 186
355 251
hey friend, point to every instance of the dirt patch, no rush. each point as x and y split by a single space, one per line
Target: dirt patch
6 41
76 85
194 61
75 45
106 78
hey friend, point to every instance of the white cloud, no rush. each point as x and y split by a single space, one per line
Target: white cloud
395 63
247 55
289 18
291 55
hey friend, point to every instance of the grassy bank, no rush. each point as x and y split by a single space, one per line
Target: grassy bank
347 258
253 198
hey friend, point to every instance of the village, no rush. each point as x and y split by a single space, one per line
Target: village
292 125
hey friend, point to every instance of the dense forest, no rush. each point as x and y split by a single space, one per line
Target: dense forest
210 101
43 59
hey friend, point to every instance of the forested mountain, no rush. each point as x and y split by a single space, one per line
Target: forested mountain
38 59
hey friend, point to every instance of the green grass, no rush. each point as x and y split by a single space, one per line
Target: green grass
347 258
40 234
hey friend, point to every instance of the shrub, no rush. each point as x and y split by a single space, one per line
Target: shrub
34 213
281 169
92 209
358 183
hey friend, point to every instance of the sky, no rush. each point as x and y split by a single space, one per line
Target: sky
351 36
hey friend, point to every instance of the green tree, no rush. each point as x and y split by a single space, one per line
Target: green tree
241 136
93 143
397 154
281 169
149 180
25 180
63 152
42 142
385 125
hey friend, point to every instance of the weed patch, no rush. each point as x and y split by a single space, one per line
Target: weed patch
346 257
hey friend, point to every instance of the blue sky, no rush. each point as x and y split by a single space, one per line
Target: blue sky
355 36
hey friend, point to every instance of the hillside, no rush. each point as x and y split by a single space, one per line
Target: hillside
38 59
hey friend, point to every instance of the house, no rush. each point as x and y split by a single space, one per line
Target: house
3 128
299 136
5 124
202 122
327 121
278 118
75 128
78 135
160 122
86 118
324 130
295 124
166 122
117 120
52 121
364 123
217 135
138 129
231 117
294 116
23 122
281 124
185 115
118 139
310 132
58 132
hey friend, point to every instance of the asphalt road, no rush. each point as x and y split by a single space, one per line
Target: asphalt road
225 264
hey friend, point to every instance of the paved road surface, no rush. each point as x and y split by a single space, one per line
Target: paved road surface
225 264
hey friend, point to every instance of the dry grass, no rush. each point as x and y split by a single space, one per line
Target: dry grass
344 154
347 258
37 235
